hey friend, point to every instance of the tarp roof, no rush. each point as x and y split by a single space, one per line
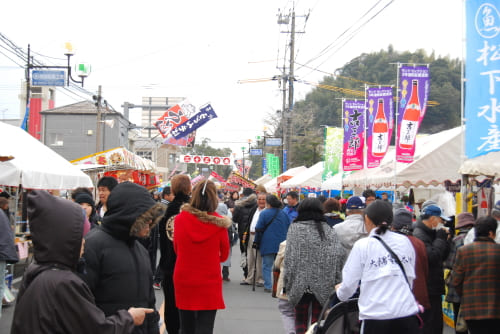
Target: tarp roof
35 166
437 158
263 179
487 165
310 177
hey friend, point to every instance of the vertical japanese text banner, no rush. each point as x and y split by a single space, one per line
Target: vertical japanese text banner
414 93
354 135
333 151
482 74
379 123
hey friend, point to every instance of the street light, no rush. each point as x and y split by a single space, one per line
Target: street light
243 159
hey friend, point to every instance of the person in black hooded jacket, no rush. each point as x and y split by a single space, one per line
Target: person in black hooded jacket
118 267
52 298
180 185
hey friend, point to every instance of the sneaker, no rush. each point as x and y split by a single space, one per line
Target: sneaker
244 283
267 290
157 286
260 285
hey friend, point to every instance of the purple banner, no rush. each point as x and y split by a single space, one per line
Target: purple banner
414 87
354 135
379 123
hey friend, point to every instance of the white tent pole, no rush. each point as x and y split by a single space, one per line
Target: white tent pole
396 115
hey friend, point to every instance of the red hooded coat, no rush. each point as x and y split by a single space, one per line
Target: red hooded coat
201 243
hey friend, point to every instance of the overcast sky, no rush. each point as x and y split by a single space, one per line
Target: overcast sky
201 49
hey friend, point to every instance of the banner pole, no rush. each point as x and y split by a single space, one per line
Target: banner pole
342 171
396 137
365 149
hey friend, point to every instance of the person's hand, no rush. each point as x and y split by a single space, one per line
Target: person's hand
138 314
442 234
255 245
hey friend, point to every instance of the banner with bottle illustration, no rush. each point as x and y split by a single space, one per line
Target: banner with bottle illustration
379 123
353 120
333 151
414 87
482 77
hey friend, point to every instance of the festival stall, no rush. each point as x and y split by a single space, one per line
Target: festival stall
273 185
263 179
481 176
311 178
436 160
121 164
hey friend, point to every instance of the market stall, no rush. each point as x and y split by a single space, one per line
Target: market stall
121 164
273 185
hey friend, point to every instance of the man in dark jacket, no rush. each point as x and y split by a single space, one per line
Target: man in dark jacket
52 298
8 253
118 267
431 231
181 188
241 214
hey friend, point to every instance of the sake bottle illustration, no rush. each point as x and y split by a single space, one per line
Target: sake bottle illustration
380 131
409 123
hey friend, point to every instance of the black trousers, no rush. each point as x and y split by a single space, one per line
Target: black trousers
433 318
197 322
406 325
171 315
485 326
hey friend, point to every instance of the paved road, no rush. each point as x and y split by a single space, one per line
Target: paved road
246 312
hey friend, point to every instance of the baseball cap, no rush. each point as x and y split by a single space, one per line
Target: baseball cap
434 210
355 202
497 206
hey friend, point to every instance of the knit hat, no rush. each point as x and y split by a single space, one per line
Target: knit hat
464 219
355 203
84 198
402 218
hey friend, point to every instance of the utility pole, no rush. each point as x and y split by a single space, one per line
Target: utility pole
98 127
290 77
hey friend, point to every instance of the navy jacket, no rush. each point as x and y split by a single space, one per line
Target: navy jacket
270 239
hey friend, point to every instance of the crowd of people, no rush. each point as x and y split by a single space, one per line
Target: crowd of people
96 263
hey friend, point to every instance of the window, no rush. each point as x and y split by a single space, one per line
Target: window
56 139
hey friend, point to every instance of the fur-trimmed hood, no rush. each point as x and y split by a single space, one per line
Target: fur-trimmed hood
247 201
150 217
205 217
198 225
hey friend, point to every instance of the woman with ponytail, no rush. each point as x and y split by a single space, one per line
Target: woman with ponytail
386 303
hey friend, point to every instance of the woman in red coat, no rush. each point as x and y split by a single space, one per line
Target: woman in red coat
201 243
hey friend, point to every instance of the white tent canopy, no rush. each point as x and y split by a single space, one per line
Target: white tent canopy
488 165
310 177
35 166
334 183
263 179
436 160
272 185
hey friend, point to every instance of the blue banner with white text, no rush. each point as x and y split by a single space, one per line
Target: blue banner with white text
205 114
482 78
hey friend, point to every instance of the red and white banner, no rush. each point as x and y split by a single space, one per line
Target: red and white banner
207 160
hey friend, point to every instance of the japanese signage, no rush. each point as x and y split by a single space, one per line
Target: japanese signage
48 78
379 123
333 151
205 114
203 159
170 119
273 164
273 141
482 72
235 178
414 87
354 134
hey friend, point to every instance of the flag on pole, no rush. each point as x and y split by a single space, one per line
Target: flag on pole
205 114
482 76
354 135
333 151
379 123
414 87
170 119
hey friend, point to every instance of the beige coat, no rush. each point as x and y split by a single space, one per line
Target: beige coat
279 263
